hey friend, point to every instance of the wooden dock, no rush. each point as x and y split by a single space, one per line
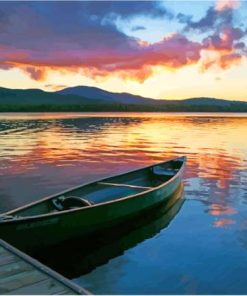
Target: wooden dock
20 274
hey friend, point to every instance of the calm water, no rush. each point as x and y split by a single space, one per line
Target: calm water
197 247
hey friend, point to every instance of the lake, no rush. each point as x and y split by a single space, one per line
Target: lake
197 247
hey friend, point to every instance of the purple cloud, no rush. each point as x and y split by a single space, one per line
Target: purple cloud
74 36
213 19
138 28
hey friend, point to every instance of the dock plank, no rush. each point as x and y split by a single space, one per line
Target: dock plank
13 268
62 293
47 286
2 250
7 259
20 274
21 279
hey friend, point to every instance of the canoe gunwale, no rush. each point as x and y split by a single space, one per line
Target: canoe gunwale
55 214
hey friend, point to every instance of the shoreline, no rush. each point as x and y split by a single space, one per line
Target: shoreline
124 111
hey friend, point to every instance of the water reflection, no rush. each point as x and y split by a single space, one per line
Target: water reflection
85 254
45 153
59 152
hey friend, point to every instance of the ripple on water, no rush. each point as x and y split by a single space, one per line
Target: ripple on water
42 154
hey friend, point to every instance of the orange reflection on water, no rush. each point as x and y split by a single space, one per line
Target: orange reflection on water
223 222
94 146
217 210
219 167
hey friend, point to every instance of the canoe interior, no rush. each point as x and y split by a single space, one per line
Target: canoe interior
108 189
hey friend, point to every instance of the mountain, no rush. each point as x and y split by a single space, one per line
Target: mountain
84 98
95 93
209 101
39 97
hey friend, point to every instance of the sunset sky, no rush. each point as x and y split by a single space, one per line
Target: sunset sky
165 50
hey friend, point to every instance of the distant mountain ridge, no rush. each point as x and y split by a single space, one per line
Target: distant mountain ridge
95 93
125 98
37 97
84 98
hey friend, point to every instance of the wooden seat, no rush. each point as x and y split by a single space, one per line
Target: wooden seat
124 185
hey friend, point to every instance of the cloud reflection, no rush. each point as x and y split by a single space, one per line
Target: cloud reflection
64 152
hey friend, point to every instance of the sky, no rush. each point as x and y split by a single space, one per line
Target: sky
157 49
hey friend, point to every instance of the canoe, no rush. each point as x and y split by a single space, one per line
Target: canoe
91 207
80 256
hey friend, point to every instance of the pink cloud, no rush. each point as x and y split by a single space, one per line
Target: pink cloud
224 48
222 5
35 73
32 40
224 40
134 62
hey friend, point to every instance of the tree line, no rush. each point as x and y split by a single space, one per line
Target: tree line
122 108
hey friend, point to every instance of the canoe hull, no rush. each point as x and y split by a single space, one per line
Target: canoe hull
51 230
94 250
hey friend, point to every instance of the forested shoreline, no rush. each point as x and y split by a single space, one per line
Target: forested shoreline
120 108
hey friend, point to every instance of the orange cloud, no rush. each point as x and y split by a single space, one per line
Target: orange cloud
55 87
223 60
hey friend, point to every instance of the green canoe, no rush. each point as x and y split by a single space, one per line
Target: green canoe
79 256
91 207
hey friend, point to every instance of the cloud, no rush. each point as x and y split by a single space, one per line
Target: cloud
222 60
133 60
222 5
225 39
226 61
138 28
216 17
183 18
35 73
213 19
73 37
56 87
37 37
126 9
223 46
